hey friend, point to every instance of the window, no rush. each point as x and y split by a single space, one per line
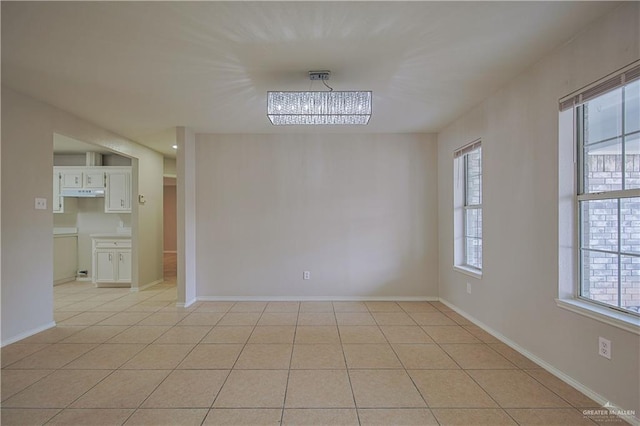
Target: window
607 129
468 207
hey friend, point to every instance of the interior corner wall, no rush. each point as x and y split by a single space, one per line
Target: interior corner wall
28 126
357 211
519 130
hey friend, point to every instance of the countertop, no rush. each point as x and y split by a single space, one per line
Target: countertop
111 235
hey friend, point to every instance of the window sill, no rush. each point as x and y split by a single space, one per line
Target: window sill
608 316
472 272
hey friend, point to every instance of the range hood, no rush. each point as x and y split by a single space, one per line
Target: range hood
86 193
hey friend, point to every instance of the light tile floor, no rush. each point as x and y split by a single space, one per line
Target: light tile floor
117 357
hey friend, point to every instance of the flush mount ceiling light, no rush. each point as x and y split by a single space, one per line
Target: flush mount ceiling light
288 108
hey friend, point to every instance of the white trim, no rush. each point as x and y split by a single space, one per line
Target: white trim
28 333
152 283
313 299
475 273
545 365
612 317
187 304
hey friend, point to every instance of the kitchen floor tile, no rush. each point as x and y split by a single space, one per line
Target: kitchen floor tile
473 416
158 357
243 416
253 389
202 318
383 307
361 334
566 392
396 416
384 389
124 318
140 334
450 389
317 334
183 334
316 307
393 318
57 390
167 417
214 306
122 389
350 307
26 416
248 307
187 389
516 358
13 381
431 318
405 334
91 417
417 307
319 389
516 389
228 334
53 356
317 356
95 334
215 356
424 356
554 416
240 318
278 318
450 334
164 318
273 334
281 307
477 356
316 318
17 351
264 357
332 416
107 356
370 356
355 318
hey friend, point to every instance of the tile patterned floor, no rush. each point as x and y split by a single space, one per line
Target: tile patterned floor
135 358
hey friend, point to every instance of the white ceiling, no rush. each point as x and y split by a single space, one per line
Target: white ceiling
142 68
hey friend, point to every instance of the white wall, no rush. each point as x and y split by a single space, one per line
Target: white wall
27 244
358 211
519 131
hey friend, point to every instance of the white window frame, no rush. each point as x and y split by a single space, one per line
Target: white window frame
462 207
570 195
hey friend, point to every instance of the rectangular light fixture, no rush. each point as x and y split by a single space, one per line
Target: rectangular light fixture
334 107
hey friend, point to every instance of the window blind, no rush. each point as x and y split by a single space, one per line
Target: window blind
467 149
622 77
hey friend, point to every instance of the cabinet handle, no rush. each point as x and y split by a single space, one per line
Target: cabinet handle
89 180
121 203
110 259
76 180
120 257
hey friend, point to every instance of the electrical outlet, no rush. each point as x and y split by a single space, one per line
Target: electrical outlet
41 203
469 288
306 275
604 347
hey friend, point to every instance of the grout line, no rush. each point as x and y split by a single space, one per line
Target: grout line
286 386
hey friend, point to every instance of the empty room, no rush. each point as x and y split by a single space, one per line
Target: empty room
320 213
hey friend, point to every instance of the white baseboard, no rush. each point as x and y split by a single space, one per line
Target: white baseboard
28 333
604 402
186 304
64 280
151 284
313 299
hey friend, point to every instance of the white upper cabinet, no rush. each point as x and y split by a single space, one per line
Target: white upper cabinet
72 178
118 191
94 178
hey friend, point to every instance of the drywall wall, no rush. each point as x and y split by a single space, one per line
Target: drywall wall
27 244
357 211
519 131
169 218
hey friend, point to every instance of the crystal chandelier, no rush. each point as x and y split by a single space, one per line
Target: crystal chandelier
288 108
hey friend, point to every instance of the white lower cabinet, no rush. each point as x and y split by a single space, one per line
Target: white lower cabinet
111 261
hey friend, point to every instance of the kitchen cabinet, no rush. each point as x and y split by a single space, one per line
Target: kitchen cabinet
71 179
118 191
111 266
93 178
57 202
